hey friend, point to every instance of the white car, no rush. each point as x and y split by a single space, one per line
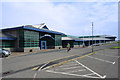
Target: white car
95 44
100 43
4 53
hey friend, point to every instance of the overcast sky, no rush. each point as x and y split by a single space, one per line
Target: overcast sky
72 18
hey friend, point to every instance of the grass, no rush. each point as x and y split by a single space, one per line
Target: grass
117 47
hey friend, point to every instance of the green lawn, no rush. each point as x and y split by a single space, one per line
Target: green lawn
117 47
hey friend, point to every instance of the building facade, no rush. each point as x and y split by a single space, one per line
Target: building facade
85 40
29 38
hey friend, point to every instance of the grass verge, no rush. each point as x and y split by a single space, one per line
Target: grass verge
117 47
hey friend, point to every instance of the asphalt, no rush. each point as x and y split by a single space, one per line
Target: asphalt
21 66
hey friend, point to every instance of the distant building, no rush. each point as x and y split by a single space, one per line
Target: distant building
86 40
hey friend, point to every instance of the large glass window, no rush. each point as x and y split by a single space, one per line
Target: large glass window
31 39
76 43
58 41
21 38
28 38
7 44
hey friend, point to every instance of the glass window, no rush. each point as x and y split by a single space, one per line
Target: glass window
58 41
31 38
8 44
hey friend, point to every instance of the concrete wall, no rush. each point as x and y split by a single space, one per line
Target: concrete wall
23 49
31 49
58 47
76 45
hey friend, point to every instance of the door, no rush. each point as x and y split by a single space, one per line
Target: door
43 45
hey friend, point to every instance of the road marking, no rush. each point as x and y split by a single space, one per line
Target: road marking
109 55
35 68
76 71
71 74
34 76
68 60
42 66
91 70
101 59
64 62
53 60
89 74
72 67
68 65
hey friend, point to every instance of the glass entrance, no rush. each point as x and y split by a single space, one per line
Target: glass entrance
43 45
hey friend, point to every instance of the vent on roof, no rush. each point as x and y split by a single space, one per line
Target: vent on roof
44 27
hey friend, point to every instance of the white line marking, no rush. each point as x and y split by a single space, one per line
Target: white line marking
76 71
71 74
72 67
91 70
89 74
101 60
68 65
42 66
109 55
35 75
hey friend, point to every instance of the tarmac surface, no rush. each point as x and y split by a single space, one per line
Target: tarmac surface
78 63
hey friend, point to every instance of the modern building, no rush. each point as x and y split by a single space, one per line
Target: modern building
72 40
85 40
30 38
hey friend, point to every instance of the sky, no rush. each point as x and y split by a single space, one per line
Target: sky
69 17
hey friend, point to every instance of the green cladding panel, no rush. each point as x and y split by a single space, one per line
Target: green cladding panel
58 41
76 43
21 38
28 38
7 44
31 39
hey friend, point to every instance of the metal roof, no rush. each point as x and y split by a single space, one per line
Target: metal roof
96 36
6 37
30 27
70 38
85 39
99 38
107 36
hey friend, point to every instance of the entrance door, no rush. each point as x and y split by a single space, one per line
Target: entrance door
43 45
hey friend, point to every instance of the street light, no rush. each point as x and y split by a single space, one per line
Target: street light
83 41
92 36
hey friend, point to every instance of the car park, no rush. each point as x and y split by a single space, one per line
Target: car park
4 53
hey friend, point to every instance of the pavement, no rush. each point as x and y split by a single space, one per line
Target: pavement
14 54
101 64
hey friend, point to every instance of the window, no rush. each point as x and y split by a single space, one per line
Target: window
8 44
28 38
58 41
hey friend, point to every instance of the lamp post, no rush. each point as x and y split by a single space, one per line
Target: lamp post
92 36
83 41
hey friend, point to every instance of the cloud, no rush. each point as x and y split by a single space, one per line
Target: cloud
59 0
73 18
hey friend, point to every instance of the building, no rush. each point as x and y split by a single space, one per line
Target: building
30 38
85 40
72 40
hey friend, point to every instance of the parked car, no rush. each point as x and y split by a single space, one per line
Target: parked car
100 43
4 53
95 44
